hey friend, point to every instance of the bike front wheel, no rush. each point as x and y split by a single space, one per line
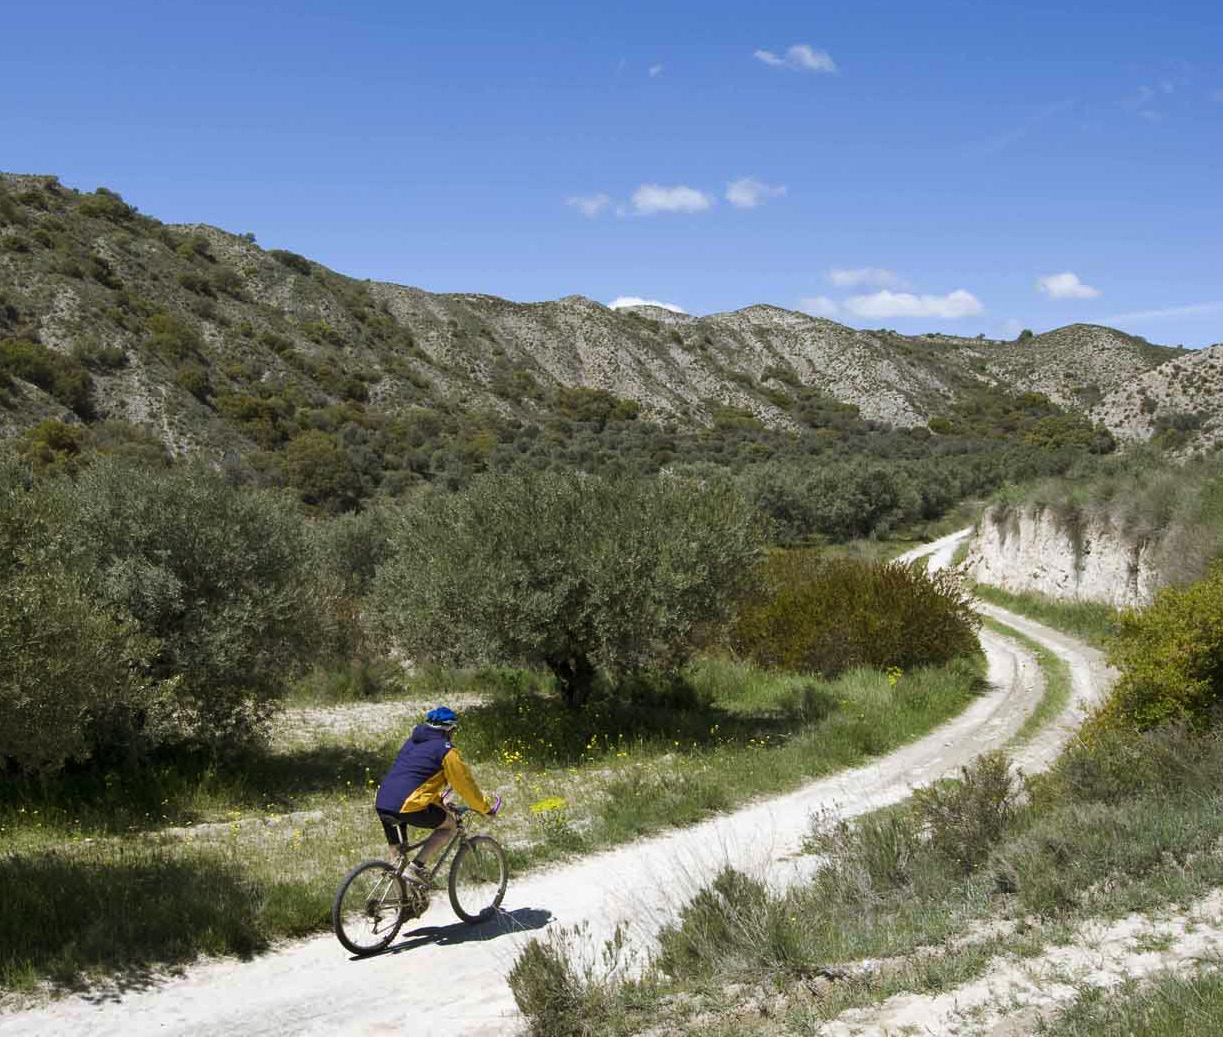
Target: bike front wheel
478 877
368 907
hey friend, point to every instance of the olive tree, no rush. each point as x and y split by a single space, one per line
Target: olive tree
218 577
69 671
568 571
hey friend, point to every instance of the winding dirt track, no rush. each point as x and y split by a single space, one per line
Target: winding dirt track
445 978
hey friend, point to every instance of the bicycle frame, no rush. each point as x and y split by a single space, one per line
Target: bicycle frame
459 836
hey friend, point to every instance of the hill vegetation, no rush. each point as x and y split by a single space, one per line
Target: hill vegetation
118 332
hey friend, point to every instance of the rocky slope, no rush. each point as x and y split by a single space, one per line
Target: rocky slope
193 333
1178 402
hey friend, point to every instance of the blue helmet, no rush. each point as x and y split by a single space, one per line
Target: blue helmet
443 718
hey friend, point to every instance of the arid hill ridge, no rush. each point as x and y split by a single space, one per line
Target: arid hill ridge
185 329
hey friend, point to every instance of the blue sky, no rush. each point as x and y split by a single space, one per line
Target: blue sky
960 166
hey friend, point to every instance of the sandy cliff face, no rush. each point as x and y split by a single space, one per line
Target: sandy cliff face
1067 557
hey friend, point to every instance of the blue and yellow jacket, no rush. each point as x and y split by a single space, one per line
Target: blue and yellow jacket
426 764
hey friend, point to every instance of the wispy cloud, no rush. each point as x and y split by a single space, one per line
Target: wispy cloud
589 205
1196 309
866 277
1003 140
654 198
820 306
887 304
655 70
1065 286
635 300
799 58
748 192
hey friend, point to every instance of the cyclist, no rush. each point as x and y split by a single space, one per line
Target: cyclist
411 791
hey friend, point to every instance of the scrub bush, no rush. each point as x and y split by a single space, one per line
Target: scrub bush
826 615
1171 659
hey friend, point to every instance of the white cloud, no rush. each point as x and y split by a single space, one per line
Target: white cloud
651 198
820 306
1170 312
885 304
634 300
867 276
749 192
800 58
589 205
1065 286
768 57
655 70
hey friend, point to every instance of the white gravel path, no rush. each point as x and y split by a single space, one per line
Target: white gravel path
443 978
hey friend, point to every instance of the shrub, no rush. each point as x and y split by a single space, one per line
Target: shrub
562 988
107 205
734 921
217 576
295 262
967 818
172 338
1171 658
319 469
868 860
596 406
547 990
193 377
58 375
827 615
68 676
572 572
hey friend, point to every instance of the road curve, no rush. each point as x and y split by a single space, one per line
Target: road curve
444 978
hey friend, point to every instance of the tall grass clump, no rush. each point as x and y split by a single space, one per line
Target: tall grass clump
565 987
1169 1005
1093 621
826 615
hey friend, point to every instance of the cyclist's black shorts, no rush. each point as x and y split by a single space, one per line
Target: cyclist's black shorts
394 823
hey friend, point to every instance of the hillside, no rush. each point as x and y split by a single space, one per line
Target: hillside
1176 403
203 340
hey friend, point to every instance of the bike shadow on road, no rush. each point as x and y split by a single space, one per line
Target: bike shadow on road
503 923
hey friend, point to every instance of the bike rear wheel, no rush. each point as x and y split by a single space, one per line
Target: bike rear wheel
369 906
478 876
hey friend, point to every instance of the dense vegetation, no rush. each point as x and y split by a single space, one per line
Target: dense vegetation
817 614
573 572
328 392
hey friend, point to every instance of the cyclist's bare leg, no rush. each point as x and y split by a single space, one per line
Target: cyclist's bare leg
442 835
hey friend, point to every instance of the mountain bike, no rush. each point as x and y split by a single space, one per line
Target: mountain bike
376 898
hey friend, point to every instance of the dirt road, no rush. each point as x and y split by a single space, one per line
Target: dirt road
445 978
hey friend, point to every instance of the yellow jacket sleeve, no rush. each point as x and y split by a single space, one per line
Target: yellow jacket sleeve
459 778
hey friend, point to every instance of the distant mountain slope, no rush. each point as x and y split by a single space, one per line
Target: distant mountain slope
206 339
1077 365
1180 402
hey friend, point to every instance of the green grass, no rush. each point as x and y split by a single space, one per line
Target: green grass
1170 1005
1057 682
1123 825
268 836
1092 621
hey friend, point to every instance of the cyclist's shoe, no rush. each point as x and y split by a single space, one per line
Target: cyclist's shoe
418 874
